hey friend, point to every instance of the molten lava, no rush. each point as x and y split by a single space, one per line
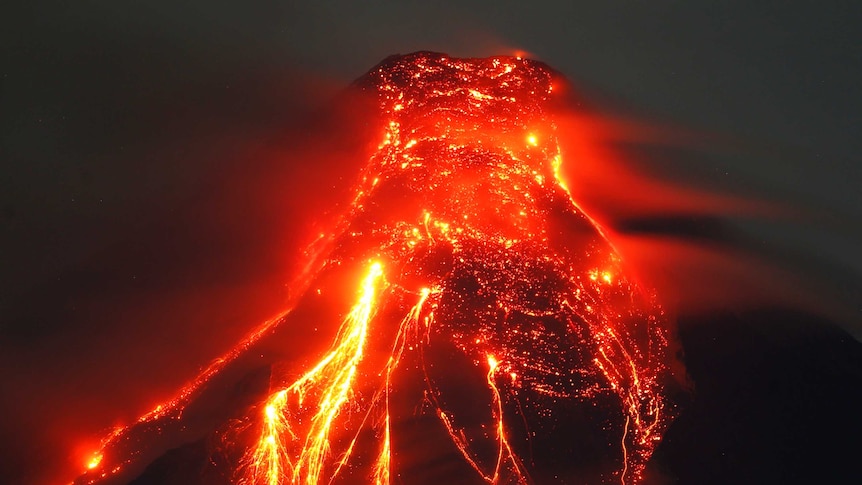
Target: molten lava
470 246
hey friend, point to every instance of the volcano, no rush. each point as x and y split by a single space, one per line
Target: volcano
463 319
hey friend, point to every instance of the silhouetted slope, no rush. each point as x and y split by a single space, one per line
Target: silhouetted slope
776 401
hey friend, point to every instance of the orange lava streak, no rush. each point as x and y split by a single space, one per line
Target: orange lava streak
383 465
382 469
172 409
460 442
625 452
504 450
271 461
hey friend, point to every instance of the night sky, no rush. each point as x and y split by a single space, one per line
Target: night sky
160 173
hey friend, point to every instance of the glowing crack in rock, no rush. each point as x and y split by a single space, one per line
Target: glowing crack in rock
469 242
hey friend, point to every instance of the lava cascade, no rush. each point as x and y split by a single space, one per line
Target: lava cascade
462 240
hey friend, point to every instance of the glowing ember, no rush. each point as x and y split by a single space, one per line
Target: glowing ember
469 241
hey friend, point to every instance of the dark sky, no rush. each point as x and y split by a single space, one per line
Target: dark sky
153 181
782 76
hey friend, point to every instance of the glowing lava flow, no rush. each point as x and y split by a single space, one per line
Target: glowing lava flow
331 380
479 252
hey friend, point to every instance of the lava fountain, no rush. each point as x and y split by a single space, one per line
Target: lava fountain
463 245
